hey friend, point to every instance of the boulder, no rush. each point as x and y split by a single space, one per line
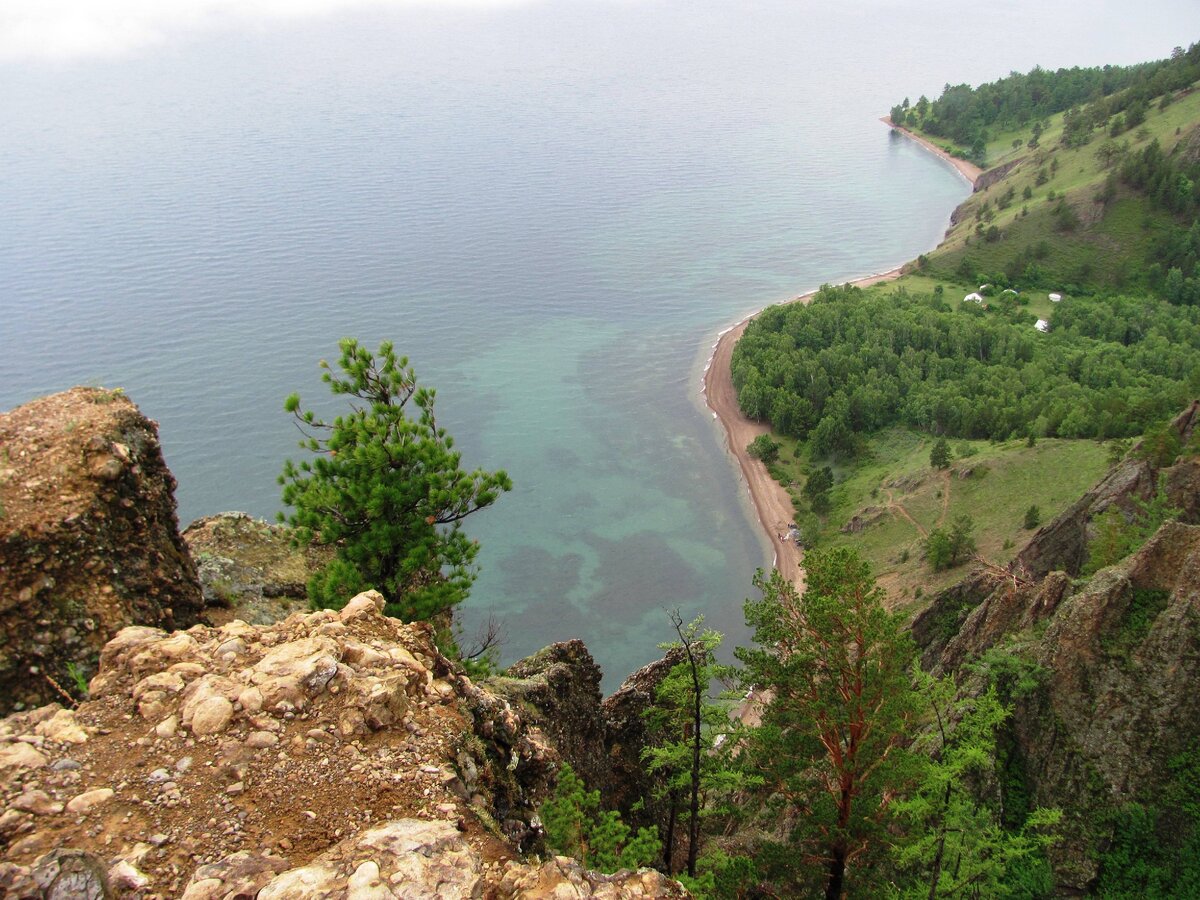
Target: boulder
89 540
561 877
249 569
408 858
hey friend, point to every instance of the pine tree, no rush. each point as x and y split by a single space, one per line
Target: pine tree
576 826
684 727
385 490
829 751
939 456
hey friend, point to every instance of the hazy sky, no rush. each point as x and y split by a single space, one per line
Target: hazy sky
68 29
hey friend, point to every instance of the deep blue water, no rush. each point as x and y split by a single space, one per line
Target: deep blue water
551 208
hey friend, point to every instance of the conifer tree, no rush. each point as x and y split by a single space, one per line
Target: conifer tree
954 844
939 456
577 826
385 490
835 665
684 727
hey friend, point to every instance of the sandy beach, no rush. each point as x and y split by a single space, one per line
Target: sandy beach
967 170
771 501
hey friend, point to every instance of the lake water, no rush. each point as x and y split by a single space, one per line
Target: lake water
551 208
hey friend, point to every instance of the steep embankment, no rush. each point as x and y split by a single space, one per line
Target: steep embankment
1115 658
89 540
331 754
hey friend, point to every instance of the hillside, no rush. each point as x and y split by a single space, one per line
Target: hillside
1105 725
1070 226
1059 207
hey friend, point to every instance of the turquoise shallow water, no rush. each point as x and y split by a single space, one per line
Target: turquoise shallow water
551 208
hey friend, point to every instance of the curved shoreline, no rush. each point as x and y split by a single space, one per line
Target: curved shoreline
967 170
772 504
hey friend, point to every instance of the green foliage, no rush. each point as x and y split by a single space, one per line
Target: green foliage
1116 535
858 362
720 876
817 487
1010 675
78 679
945 549
955 843
576 826
1115 538
386 490
1154 852
1144 606
1089 97
829 752
1033 518
764 448
684 758
939 456
1160 446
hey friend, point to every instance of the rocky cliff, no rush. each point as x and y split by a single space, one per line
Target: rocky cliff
333 754
1117 657
89 540
249 569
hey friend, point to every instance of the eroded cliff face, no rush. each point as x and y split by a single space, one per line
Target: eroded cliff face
333 754
1120 653
89 540
249 569
982 608
602 739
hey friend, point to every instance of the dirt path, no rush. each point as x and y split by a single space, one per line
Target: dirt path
898 509
945 498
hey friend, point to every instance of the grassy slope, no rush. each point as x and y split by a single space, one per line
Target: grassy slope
1110 246
1106 250
994 484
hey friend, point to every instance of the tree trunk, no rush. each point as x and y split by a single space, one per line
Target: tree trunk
837 875
669 843
697 722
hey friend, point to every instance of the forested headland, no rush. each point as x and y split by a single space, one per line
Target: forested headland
967 115
850 363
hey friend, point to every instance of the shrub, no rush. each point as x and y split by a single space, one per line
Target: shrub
764 448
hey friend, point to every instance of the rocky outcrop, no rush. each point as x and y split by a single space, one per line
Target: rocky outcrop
89 540
626 736
1118 653
249 569
332 750
983 606
562 877
996 174
559 687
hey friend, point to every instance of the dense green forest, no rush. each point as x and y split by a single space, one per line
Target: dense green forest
851 363
965 115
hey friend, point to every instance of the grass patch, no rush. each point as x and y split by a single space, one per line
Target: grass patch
891 498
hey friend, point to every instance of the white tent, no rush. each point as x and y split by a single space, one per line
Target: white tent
1042 325
973 298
